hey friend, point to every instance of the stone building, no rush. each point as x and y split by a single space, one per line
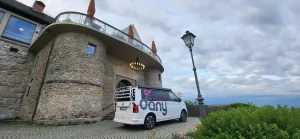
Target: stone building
65 69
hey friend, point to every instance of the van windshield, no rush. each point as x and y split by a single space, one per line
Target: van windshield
124 94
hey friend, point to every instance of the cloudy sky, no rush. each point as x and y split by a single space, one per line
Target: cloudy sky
242 48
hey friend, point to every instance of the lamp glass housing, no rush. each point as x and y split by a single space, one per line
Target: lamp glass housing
188 39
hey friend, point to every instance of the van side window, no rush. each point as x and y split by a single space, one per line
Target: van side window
173 97
155 95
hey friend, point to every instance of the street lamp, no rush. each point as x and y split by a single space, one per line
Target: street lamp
188 39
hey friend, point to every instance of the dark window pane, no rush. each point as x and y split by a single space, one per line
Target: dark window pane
1 15
154 95
42 30
91 49
19 30
159 77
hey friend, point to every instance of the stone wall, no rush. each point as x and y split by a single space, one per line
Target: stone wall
69 102
15 67
73 86
152 78
109 82
35 82
193 111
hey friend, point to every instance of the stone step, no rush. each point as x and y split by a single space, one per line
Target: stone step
108 98
107 102
105 105
105 112
109 116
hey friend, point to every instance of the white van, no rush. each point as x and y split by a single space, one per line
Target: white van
147 105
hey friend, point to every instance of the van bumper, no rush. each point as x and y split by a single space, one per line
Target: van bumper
129 121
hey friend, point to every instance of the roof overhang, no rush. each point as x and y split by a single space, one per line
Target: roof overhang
25 11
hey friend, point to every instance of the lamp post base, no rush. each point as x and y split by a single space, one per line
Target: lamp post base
201 107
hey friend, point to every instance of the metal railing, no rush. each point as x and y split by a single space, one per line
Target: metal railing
123 93
83 19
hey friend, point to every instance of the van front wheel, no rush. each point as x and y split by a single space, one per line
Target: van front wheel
149 122
183 116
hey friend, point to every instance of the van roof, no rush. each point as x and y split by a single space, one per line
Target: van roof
158 88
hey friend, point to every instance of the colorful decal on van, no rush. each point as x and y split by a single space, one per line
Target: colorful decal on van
153 106
147 92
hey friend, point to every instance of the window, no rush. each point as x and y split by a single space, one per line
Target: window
91 49
154 95
159 77
42 30
1 16
19 30
12 49
173 97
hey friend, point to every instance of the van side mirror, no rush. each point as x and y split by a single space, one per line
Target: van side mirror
179 99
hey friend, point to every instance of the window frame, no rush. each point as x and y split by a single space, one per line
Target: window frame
10 16
40 32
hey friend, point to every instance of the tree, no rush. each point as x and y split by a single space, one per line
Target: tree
188 103
195 102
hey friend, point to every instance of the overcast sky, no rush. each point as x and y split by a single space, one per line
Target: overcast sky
243 47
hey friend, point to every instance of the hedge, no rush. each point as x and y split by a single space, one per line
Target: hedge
249 122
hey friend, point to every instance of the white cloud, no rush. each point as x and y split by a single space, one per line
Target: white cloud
177 78
191 80
210 80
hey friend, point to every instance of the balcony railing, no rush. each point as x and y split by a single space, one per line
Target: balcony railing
83 19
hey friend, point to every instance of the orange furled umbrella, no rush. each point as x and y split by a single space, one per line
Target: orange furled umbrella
130 31
154 47
92 9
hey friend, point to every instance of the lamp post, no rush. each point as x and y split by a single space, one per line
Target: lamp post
188 39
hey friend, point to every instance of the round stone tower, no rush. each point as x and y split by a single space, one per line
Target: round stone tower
73 83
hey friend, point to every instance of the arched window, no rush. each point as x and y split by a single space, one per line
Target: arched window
123 83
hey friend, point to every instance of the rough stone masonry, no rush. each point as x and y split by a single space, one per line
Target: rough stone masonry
64 85
15 67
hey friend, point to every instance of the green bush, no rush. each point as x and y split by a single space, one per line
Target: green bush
188 103
250 122
239 104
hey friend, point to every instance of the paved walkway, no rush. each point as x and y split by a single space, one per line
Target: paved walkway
100 130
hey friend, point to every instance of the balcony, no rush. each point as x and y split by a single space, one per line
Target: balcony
119 44
92 22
